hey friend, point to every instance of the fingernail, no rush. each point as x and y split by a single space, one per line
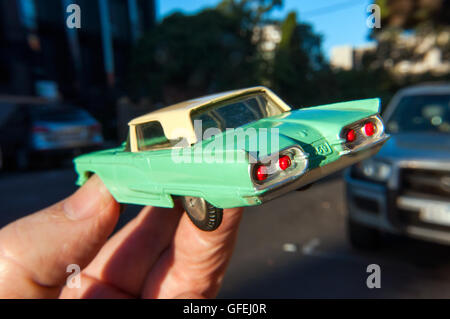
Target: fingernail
88 200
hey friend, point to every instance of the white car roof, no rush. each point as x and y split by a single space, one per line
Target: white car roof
176 119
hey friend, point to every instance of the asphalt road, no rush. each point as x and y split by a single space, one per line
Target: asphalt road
292 247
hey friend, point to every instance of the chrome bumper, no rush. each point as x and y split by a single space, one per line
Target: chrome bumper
388 205
413 205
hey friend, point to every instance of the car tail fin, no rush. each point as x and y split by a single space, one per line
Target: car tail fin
371 105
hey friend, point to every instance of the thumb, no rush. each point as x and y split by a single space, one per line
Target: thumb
36 250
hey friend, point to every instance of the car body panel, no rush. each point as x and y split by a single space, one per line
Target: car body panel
413 146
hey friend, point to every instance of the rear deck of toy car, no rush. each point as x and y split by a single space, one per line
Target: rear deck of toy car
328 153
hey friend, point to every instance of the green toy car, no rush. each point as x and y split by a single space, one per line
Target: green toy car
233 149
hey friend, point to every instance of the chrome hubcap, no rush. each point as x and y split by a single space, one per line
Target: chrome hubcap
196 207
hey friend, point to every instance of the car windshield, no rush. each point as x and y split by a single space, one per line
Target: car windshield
421 113
236 113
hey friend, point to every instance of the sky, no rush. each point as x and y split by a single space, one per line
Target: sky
340 22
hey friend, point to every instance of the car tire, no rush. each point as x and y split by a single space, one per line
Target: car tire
202 214
362 237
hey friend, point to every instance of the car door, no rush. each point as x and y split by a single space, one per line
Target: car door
134 174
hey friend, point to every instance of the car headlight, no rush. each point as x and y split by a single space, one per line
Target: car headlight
372 169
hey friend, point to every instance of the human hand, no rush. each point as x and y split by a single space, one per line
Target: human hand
159 254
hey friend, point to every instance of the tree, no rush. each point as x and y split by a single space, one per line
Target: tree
300 71
190 55
428 21
414 14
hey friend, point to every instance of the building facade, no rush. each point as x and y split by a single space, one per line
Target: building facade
40 54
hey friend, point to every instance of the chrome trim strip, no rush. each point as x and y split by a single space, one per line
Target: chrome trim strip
412 203
432 165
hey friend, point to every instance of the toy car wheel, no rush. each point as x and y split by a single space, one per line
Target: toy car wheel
362 237
204 215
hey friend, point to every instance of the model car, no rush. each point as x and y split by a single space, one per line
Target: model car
405 188
233 149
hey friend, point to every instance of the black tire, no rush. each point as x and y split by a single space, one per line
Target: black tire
362 237
202 214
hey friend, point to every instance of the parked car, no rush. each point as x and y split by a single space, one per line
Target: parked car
405 188
38 131
170 152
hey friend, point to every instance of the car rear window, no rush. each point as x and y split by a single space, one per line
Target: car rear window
236 113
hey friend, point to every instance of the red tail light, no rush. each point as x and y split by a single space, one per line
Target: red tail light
369 128
350 135
284 162
40 129
261 173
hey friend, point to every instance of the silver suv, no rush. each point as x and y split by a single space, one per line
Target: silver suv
405 188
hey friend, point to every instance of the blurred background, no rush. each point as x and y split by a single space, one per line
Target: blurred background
65 91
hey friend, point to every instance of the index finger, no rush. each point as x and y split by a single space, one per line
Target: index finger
196 261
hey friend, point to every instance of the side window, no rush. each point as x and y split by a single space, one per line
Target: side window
151 136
